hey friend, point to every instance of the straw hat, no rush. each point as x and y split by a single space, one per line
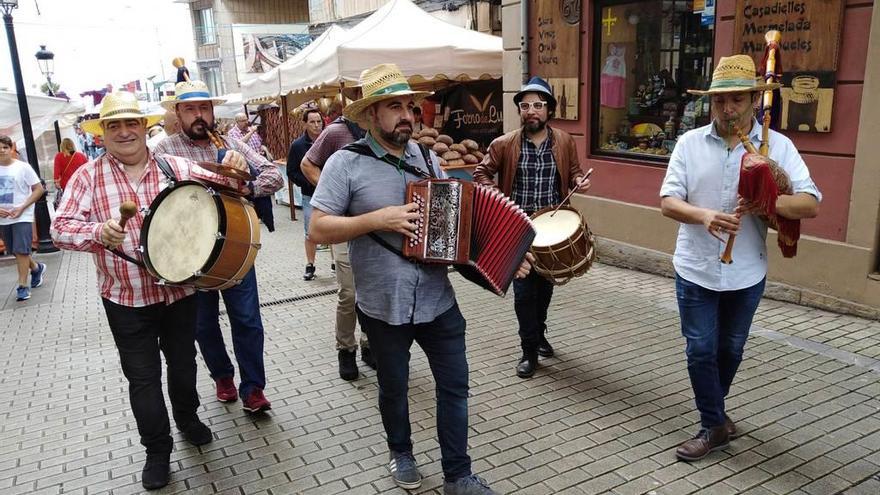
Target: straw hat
191 91
735 74
117 106
379 83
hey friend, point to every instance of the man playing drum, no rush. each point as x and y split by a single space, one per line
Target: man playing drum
194 108
144 317
717 301
360 193
537 166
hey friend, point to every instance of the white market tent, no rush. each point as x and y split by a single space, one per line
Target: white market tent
268 86
424 47
427 50
44 111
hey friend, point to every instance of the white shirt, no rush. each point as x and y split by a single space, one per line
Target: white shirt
705 173
16 180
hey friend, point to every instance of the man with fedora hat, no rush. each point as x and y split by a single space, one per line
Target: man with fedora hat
717 301
359 199
146 318
194 108
537 166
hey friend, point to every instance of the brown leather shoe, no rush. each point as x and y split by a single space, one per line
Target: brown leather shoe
730 426
706 441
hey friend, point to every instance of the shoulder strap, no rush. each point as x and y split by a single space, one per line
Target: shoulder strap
356 131
165 168
385 244
362 148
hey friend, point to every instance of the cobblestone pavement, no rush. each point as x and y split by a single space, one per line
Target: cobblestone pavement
602 417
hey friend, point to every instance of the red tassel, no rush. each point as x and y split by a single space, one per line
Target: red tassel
788 231
756 183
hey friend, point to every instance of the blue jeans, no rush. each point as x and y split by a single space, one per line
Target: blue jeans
531 299
443 343
716 326
243 307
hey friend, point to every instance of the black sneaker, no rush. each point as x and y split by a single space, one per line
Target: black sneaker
196 433
544 348
348 368
367 357
310 272
527 366
156 471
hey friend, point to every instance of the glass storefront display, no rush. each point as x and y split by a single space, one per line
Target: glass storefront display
647 54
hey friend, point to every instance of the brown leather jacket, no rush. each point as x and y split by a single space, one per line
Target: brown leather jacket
503 159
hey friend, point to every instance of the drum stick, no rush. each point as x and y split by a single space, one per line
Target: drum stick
575 188
126 210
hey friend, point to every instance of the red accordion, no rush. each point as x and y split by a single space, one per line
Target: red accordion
474 227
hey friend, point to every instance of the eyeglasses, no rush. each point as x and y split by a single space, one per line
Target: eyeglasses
524 106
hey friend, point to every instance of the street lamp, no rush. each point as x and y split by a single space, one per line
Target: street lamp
46 61
41 210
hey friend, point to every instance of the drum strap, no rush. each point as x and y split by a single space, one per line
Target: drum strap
165 168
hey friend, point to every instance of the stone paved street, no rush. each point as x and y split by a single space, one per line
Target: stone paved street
603 416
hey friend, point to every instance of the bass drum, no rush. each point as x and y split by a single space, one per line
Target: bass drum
564 247
198 236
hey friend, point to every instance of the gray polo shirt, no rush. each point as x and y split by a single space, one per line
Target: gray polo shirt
389 288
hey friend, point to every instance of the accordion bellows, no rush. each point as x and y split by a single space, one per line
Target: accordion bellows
474 227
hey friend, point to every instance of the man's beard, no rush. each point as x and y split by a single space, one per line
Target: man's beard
398 137
195 135
534 126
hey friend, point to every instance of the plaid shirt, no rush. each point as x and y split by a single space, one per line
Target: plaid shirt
537 181
268 178
254 142
93 196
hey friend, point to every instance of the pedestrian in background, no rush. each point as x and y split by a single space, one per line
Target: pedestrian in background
314 125
20 188
67 161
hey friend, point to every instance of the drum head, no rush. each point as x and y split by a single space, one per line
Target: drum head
553 230
182 232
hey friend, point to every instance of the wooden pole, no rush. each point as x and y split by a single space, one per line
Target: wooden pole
285 123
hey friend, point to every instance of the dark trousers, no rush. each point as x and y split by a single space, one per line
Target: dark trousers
716 325
242 303
140 333
531 299
444 345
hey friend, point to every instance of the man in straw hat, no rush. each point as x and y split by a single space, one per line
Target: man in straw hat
717 301
145 318
537 166
194 108
358 199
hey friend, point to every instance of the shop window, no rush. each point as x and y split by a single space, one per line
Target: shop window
647 54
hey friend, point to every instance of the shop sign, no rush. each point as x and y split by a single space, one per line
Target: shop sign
555 51
474 111
810 43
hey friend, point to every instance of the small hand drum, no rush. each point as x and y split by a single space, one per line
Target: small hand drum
564 247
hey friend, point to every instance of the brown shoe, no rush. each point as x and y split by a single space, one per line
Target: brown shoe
706 441
730 427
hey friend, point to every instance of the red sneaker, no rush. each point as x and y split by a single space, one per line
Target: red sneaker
226 391
256 402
